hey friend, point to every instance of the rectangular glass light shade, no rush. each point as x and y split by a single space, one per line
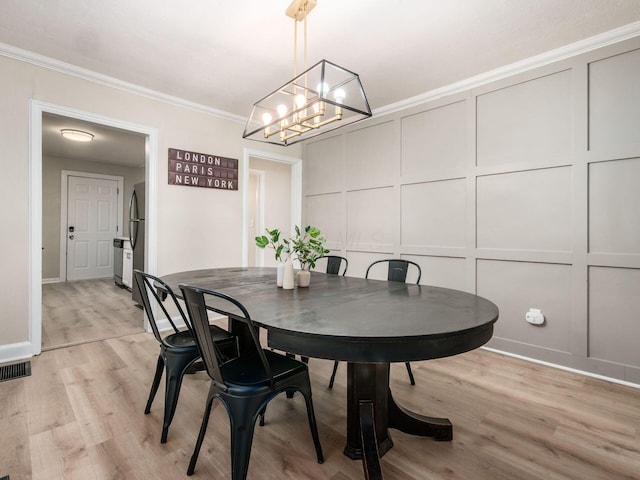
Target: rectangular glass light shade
321 99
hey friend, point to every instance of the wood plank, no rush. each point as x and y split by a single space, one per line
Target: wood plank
80 415
86 310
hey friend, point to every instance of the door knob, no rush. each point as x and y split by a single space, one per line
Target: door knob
71 237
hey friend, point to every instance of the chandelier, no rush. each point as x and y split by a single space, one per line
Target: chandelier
320 99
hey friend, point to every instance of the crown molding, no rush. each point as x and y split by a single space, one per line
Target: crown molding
598 41
85 74
589 44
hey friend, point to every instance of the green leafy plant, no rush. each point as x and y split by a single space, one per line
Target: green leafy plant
308 246
273 240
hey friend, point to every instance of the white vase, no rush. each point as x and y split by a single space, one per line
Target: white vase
304 278
280 274
287 278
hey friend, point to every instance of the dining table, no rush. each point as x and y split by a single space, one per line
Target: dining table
367 323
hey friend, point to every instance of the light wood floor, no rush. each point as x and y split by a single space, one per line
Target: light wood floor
86 311
80 416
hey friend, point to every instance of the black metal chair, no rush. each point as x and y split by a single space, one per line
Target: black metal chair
396 272
335 263
178 350
246 383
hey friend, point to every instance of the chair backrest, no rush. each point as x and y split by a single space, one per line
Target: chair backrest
198 302
398 269
334 264
160 291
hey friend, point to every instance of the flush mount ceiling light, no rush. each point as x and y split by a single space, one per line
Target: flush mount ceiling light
76 135
320 99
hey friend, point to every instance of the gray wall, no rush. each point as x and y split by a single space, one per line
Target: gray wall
51 182
524 191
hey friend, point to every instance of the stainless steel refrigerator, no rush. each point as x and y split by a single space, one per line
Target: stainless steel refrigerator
136 233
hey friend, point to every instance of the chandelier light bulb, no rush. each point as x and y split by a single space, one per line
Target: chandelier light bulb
282 110
300 100
266 118
323 89
339 95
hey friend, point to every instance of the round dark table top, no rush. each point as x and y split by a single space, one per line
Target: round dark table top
354 319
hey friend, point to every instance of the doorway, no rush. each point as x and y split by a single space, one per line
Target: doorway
272 199
41 264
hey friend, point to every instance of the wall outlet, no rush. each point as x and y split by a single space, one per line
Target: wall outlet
534 316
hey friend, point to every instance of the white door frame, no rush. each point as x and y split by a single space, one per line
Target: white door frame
36 109
64 209
296 192
259 224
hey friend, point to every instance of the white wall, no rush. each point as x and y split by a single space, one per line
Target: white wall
523 190
196 227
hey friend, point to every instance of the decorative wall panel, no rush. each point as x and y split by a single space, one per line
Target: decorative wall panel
614 206
614 318
526 122
448 272
518 286
359 261
528 210
614 101
370 223
325 166
371 157
435 140
434 214
327 213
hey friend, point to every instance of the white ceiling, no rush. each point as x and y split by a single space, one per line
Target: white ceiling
228 54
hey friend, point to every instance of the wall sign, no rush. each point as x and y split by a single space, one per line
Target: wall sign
202 170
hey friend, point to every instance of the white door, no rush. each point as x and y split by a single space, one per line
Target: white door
91 226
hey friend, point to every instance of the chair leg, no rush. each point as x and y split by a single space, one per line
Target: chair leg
203 430
243 415
176 367
333 374
411 379
156 383
313 426
289 393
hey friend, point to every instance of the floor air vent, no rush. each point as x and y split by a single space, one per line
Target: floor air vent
17 370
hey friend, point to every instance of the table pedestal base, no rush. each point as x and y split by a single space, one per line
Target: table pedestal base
368 388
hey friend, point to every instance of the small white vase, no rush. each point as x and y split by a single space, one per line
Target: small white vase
304 278
280 274
287 278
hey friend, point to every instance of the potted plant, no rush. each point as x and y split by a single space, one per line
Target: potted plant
273 240
308 246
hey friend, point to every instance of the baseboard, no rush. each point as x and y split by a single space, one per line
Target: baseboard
164 325
50 280
566 369
15 351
